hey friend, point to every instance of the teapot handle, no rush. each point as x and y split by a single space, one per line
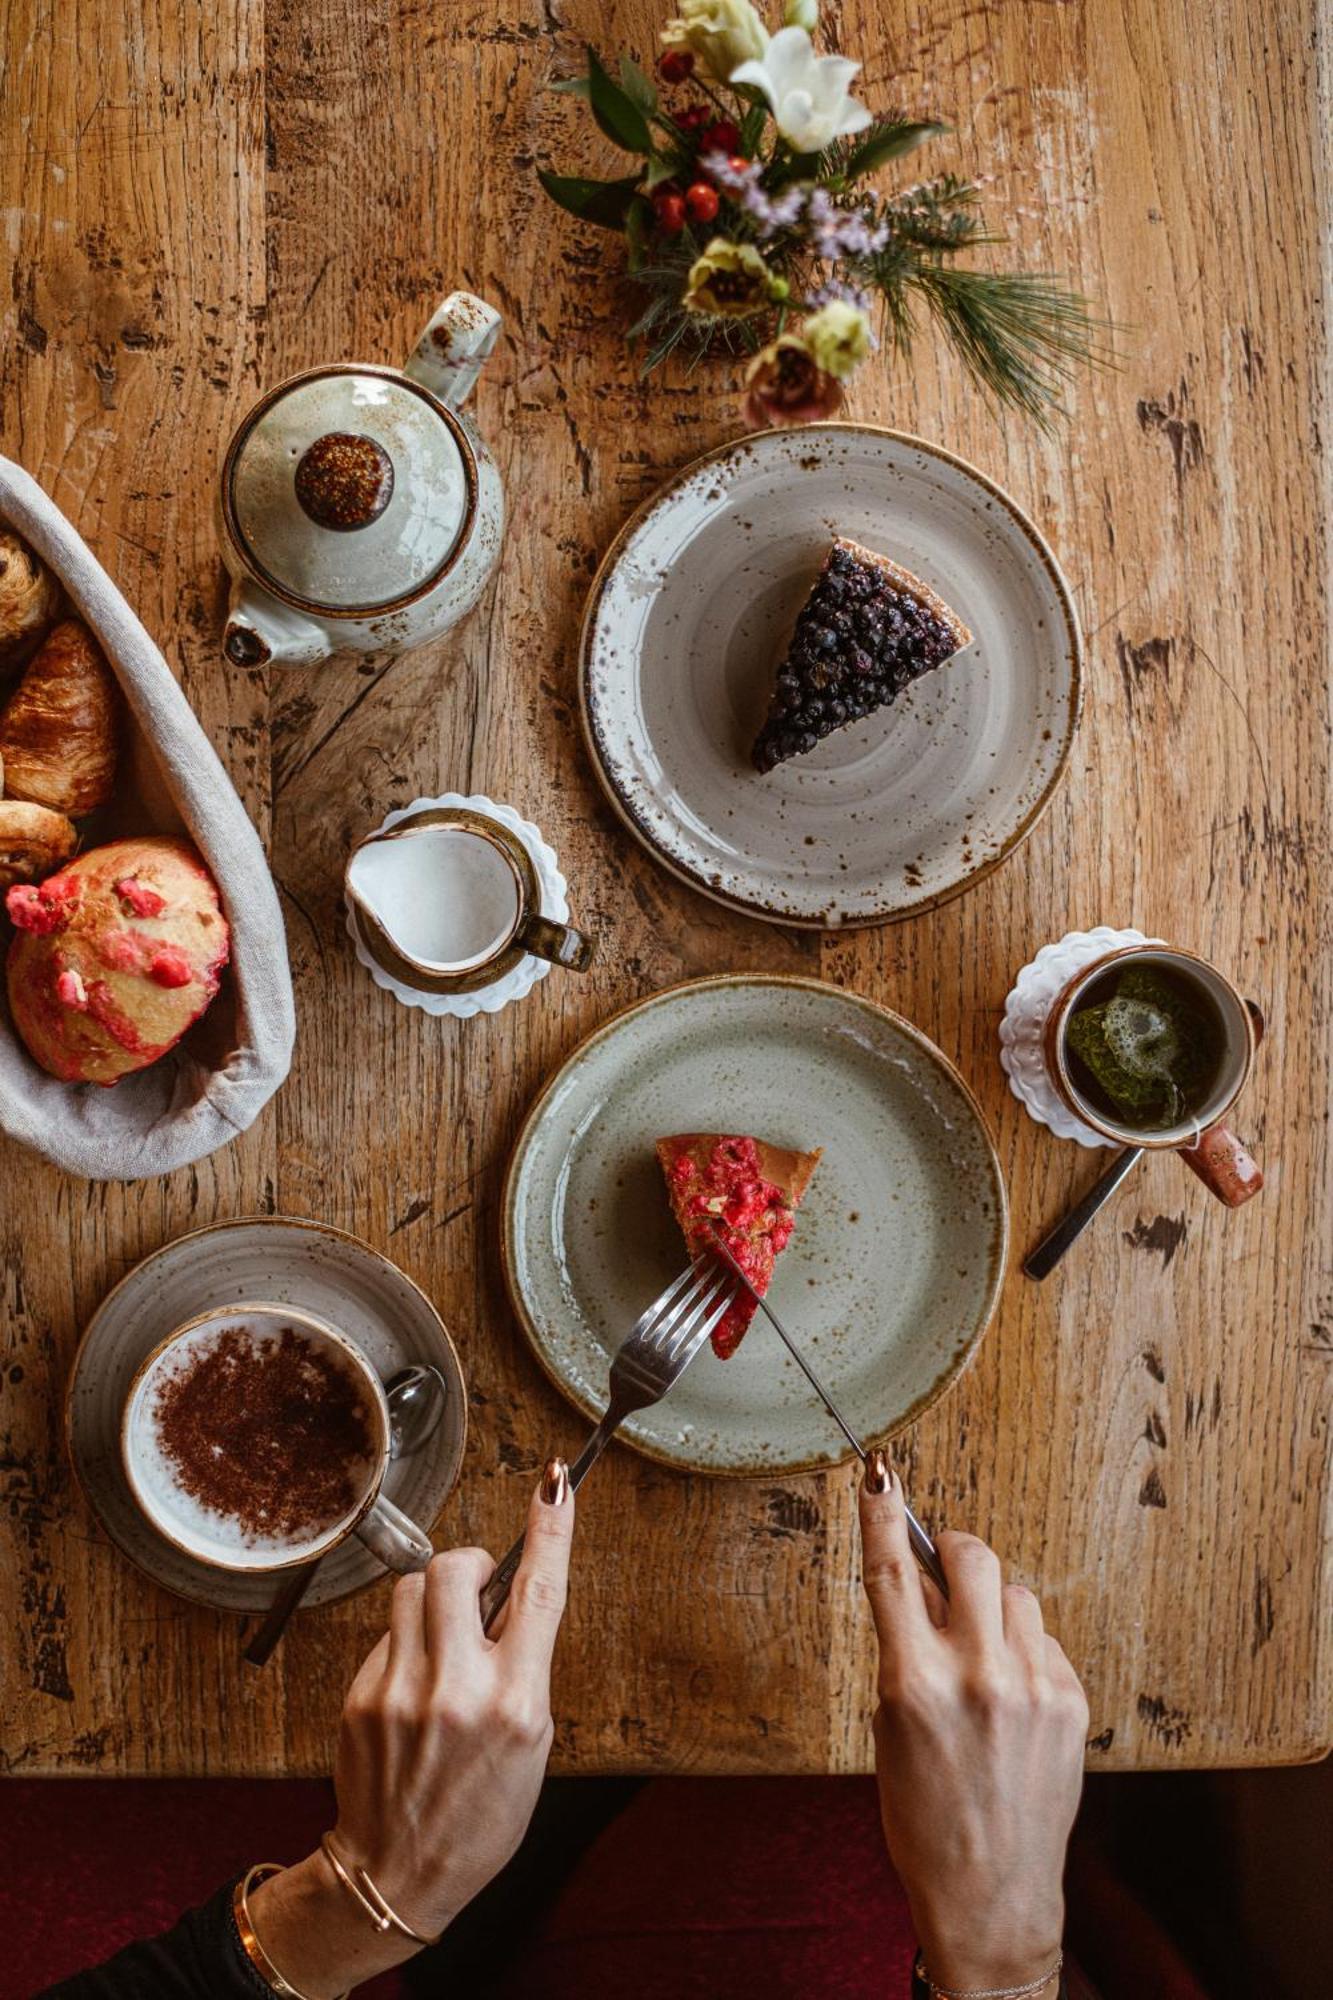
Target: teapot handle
454 347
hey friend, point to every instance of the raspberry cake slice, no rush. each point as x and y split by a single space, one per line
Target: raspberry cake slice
753 1190
868 629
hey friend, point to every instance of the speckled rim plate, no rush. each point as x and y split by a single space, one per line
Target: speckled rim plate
691 610
295 1262
895 1267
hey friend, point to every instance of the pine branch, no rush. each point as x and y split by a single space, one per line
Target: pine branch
1019 333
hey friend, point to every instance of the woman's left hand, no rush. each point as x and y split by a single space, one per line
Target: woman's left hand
442 1749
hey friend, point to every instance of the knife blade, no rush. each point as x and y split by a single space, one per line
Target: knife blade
923 1548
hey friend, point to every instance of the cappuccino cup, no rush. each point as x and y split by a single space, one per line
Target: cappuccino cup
256 1437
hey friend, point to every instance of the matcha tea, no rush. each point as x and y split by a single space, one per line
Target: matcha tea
1146 1046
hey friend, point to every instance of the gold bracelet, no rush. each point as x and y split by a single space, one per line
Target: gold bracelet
360 1887
245 1931
989 1992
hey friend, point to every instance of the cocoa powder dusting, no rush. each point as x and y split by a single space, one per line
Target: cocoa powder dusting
273 1433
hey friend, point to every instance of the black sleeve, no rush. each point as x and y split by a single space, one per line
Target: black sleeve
201 1958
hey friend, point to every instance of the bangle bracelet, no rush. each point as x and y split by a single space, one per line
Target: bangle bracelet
245 1931
987 1992
360 1887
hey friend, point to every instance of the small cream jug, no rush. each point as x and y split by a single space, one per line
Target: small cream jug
360 510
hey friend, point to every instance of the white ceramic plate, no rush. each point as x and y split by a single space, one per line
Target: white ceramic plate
309 1264
895 1265
691 611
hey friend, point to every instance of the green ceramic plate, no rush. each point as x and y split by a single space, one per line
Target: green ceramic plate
892 1274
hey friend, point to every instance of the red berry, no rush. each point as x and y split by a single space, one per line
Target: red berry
670 210
701 201
675 65
724 136
693 118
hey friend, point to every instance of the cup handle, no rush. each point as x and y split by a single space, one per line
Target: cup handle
394 1538
455 345
560 944
1224 1165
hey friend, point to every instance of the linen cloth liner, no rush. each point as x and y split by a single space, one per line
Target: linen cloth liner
169 780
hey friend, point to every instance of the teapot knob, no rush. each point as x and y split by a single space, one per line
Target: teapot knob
344 480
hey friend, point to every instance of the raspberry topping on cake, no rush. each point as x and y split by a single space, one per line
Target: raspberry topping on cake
868 629
750 1189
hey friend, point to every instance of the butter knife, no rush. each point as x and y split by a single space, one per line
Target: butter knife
923 1548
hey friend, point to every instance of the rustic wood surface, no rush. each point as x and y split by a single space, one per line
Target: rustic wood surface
198 201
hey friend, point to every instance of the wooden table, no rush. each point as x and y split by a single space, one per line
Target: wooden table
198 201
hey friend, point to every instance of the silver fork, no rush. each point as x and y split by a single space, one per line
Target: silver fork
654 1354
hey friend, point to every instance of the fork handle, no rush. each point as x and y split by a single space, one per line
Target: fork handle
495 1593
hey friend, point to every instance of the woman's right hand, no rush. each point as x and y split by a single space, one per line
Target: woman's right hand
441 1753
979 1752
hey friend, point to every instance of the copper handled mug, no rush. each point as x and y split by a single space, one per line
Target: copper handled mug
1205 1142
449 900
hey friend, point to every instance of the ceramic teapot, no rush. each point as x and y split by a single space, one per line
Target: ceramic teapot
360 510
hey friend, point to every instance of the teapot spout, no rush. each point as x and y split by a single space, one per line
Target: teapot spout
455 345
260 630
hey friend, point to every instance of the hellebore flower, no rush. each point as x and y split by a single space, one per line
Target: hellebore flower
785 385
720 33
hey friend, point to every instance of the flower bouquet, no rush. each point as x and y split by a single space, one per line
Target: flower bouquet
750 224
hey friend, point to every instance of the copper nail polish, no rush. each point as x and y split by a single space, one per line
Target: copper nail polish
878 1477
555 1483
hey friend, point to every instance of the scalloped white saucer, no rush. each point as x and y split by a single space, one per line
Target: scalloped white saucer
1035 991
521 978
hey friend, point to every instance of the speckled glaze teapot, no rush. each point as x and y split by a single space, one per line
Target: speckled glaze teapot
361 511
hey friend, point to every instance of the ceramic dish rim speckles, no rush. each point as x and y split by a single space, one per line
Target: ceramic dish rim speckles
892 908
839 1452
220 1590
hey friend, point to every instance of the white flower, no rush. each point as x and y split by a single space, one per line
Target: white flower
807 93
721 33
801 14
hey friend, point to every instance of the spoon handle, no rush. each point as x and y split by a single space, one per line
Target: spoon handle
259 1648
1048 1253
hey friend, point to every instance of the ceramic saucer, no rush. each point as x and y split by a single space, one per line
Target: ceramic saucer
687 620
1023 1030
893 1271
298 1263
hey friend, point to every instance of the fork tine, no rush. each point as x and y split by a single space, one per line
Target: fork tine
717 1295
646 1323
682 1355
666 1324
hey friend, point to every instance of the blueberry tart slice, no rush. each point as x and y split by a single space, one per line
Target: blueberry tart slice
868 629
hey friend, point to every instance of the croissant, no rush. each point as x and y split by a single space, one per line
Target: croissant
29 595
33 841
58 728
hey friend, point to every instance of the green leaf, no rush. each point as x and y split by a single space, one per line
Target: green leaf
604 202
638 227
639 88
616 112
888 141
572 86
660 169
752 128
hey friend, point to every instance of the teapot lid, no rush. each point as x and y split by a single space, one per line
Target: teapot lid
348 490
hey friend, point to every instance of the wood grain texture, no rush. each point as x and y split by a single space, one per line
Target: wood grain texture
199 201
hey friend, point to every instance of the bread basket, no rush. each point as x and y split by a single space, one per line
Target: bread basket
217 1080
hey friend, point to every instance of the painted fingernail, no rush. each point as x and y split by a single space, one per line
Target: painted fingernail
878 1477
555 1483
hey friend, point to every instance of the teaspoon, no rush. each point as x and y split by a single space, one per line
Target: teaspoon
416 1398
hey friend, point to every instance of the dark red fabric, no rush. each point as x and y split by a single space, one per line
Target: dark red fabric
702 1889
89 1864
711 1887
